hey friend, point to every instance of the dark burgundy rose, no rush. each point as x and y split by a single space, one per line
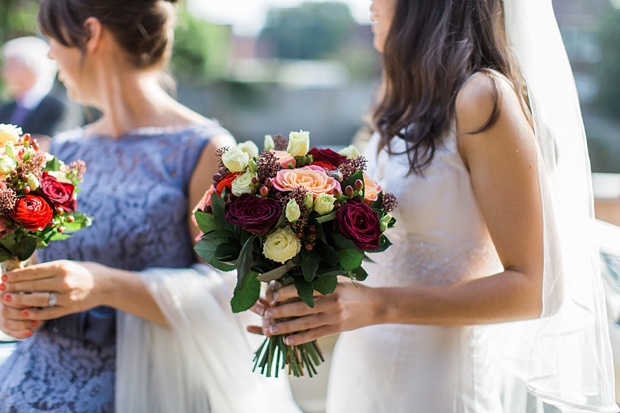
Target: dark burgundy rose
327 156
33 212
359 223
58 193
254 214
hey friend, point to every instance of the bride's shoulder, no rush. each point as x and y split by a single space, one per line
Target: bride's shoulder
482 99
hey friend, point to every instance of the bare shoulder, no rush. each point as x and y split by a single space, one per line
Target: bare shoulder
480 96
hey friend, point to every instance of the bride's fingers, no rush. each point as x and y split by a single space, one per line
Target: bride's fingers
310 335
300 324
27 300
255 330
299 308
18 325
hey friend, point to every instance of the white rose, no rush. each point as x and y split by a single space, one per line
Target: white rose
7 165
235 159
250 148
309 200
33 182
292 211
281 245
350 152
324 204
9 133
60 176
243 184
298 143
269 144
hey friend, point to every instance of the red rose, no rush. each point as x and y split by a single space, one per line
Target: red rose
226 182
359 223
58 193
33 212
324 165
327 156
254 214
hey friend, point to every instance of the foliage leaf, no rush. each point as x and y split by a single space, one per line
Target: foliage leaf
310 261
25 248
350 259
360 273
305 291
276 273
326 285
245 261
326 218
206 222
246 296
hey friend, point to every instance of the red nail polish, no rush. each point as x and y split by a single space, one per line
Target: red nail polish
7 298
25 313
2 287
35 323
5 277
28 333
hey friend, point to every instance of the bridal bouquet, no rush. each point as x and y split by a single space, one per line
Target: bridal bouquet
294 215
37 197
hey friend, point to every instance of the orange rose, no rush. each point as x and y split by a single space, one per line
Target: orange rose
371 190
284 158
226 182
313 178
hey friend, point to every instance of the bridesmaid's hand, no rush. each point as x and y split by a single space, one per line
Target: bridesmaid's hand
76 285
15 324
350 307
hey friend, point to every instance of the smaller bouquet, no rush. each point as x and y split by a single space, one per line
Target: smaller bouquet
37 197
296 215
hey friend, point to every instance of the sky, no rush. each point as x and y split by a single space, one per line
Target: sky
248 16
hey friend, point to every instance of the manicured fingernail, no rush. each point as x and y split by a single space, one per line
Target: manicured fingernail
29 333
5 277
35 323
7 298
289 341
2 287
274 329
25 313
268 313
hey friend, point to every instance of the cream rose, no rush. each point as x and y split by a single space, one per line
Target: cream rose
235 159
350 152
313 178
292 211
371 189
7 165
243 184
324 204
281 245
250 148
298 143
268 143
9 133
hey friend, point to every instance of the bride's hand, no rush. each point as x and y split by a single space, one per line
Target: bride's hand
351 306
14 324
75 285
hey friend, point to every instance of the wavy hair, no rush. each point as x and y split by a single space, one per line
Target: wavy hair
431 50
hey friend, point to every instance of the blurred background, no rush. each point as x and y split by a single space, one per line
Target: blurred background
273 66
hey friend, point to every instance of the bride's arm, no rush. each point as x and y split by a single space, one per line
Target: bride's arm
503 165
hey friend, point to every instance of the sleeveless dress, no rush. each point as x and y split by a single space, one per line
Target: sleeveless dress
440 238
135 187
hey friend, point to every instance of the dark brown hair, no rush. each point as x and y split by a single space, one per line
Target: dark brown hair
143 28
432 48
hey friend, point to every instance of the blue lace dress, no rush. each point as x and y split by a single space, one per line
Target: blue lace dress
136 189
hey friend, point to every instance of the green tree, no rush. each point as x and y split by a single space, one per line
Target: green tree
608 70
310 31
17 18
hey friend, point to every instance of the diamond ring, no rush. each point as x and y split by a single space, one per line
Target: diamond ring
52 300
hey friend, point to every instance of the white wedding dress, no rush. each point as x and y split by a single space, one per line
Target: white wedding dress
440 238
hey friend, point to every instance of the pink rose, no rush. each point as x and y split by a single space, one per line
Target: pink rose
371 189
313 178
284 158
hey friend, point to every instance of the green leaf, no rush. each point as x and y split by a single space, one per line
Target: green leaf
378 204
310 261
339 242
218 206
228 251
360 273
350 259
207 250
384 243
25 248
81 221
329 256
5 256
326 285
244 298
52 165
276 273
245 261
56 236
206 222
326 218
224 266
305 291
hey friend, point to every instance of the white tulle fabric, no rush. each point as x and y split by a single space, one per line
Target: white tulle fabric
564 359
203 363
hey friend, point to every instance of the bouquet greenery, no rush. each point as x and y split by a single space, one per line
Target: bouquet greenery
296 215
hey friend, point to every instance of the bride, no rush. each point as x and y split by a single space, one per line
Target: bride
479 136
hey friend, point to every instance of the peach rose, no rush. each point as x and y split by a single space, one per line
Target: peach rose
284 158
371 189
313 178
